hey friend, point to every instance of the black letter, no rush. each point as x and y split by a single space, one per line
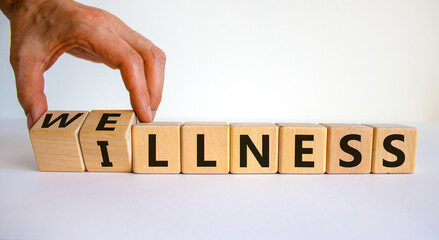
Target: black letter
354 152
299 151
400 156
104 120
200 153
262 159
63 123
152 153
105 159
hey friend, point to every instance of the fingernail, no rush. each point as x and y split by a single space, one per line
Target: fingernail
153 114
149 113
29 120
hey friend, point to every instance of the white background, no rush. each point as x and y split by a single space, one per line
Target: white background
266 60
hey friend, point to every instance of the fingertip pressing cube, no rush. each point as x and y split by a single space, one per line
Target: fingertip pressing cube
55 141
156 147
253 148
205 147
302 148
394 148
106 140
349 148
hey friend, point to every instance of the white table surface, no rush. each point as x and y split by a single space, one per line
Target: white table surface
41 205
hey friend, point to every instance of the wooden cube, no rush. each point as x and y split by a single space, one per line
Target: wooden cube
205 147
394 148
302 148
106 140
253 148
156 147
349 148
55 141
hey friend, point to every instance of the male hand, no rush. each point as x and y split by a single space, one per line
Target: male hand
42 30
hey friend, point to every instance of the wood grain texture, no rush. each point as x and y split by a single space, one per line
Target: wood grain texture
57 147
117 136
407 146
288 133
167 142
255 132
335 154
216 147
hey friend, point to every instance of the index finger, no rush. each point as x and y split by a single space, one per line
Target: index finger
155 60
119 54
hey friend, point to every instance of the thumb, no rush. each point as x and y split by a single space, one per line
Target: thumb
30 91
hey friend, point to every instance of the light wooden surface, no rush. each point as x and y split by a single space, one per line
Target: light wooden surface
167 142
335 154
56 147
216 147
255 132
407 146
287 148
118 138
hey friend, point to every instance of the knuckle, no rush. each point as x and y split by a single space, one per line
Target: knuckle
17 56
158 55
92 15
89 21
23 95
135 58
29 97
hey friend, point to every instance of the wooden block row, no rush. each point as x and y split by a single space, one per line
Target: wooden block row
111 141
63 141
